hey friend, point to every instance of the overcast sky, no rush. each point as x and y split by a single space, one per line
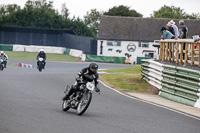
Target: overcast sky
79 8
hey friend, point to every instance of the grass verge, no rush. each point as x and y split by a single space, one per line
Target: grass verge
13 55
127 79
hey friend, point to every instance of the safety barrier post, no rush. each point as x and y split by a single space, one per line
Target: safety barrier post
160 57
186 53
170 51
192 54
163 52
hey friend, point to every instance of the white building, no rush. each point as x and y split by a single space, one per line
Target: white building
133 49
123 36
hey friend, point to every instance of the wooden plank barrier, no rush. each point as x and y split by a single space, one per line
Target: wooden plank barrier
182 51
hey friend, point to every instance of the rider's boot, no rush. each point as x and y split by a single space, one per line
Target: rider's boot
66 97
44 65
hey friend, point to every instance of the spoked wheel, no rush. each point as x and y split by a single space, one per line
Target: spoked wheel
65 105
84 103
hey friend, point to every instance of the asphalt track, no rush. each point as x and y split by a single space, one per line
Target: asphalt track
30 102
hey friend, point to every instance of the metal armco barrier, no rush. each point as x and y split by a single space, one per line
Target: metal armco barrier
175 83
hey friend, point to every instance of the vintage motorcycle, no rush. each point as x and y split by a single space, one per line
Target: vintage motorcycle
79 100
41 64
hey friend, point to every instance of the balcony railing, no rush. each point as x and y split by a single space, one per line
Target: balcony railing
173 50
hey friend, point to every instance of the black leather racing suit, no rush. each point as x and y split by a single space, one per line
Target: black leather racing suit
88 76
5 58
41 55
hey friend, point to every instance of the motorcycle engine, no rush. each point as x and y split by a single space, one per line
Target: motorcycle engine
74 103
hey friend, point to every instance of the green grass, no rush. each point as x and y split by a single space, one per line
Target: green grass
128 79
12 55
123 78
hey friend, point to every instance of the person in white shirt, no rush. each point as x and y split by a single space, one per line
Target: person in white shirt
176 31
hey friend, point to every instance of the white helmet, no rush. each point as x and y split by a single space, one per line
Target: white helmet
2 52
41 50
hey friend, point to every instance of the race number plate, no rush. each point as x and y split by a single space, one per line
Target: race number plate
40 59
90 86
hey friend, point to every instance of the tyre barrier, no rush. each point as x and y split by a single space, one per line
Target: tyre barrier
175 83
23 65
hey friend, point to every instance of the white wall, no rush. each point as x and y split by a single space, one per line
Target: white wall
123 48
33 48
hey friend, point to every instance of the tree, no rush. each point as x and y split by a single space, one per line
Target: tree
8 9
169 12
80 28
2 11
41 14
193 16
173 12
123 11
92 20
64 11
39 4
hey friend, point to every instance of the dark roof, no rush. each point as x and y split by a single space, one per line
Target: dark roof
138 29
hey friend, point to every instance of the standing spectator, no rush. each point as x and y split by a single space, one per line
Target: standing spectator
176 32
183 30
166 34
169 28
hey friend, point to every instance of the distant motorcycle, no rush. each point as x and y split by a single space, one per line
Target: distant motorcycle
79 100
40 64
2 64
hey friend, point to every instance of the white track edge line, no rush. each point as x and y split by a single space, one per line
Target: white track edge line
161 106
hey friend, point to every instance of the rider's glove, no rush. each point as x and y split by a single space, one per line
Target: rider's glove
97 89
78 79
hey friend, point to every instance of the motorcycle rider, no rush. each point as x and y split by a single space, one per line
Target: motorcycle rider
87 74
4 57
41 54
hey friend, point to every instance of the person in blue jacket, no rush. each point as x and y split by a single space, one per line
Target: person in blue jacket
165 34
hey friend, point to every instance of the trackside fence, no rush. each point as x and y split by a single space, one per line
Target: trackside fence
62 50
181 51
175 83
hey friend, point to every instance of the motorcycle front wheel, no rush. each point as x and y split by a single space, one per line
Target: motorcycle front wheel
1 67
40 68
65 105
84 103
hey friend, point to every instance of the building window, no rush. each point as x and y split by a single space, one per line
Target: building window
113 43
143 45
149 55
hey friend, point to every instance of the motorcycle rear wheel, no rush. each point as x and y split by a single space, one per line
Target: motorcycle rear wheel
84 103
